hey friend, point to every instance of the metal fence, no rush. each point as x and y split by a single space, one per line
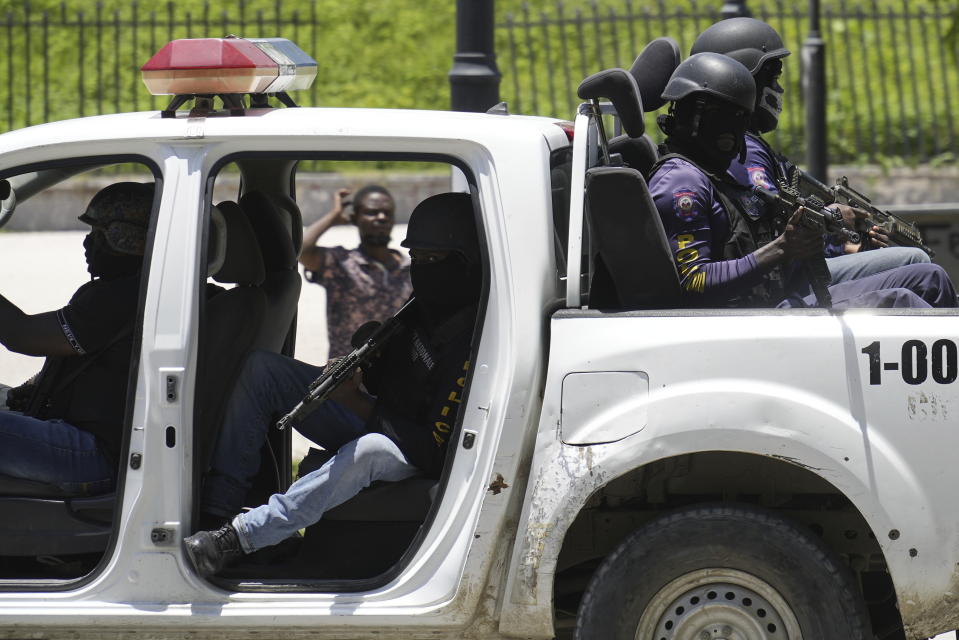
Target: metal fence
892 82
77 62
891 95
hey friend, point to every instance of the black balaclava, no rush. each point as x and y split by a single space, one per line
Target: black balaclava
769 97
710 131
448 284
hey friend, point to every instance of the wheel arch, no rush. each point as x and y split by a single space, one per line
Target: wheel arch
777 483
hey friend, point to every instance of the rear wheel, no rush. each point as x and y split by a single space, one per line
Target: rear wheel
722 573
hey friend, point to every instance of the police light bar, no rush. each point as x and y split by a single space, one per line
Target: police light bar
217 66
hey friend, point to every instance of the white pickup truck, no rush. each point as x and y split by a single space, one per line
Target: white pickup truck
622 467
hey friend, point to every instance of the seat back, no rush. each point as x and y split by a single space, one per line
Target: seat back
639 153
231 324
274 227
633 265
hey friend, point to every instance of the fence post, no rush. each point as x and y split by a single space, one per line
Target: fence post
474 78
814 91
734 9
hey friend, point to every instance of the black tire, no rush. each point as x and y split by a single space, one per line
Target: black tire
722 571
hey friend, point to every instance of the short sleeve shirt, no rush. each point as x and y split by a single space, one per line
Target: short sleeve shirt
359 289
98 322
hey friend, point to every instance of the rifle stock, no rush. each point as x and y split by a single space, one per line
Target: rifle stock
332 377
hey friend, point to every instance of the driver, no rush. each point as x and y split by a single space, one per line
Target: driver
63 427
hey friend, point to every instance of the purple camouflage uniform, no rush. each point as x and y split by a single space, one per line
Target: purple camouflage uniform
761 168
697 227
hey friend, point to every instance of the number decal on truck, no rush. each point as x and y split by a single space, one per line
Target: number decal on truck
916 362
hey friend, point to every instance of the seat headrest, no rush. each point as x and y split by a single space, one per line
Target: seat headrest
639 153
242 262
294 218
216 242
652 69
271 225
619 86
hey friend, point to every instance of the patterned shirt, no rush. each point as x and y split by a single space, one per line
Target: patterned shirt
359 289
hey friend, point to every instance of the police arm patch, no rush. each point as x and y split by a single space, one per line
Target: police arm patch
684 205
758 177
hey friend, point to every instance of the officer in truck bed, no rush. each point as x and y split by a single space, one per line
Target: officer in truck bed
761 50
719 247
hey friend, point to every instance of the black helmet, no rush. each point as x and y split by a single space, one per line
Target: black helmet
444 222
714 75
749 41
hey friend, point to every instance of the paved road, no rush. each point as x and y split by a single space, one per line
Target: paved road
40 270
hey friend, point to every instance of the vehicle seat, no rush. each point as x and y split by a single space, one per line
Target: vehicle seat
274 227
633 265
404 501
370 531
232 321
639 153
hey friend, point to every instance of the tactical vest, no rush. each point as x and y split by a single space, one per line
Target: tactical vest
746 233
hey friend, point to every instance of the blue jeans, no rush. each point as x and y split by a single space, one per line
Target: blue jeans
54 452
357 464
268 387
852 266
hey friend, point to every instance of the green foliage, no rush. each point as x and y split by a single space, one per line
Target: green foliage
892 82
892 87
378 53
952 35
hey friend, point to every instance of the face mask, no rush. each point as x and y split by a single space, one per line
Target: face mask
721 133
769 102
448 283
768 107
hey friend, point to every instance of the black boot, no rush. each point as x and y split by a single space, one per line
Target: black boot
210 551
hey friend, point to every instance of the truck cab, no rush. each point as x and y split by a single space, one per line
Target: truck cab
619 458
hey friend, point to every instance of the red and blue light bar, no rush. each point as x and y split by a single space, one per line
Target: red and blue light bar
228 66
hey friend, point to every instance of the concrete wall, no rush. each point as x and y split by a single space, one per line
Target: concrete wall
922 185
57 208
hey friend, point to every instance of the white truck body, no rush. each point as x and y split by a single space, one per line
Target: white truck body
567 407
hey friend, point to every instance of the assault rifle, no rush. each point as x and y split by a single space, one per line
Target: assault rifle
339 371
815 216
901 233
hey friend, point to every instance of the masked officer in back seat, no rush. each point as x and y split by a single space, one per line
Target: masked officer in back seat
725 256
417 380
760 49
64 427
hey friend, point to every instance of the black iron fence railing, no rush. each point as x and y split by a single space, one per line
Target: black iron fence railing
74 62
891 80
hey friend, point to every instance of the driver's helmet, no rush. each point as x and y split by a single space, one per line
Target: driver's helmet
121 212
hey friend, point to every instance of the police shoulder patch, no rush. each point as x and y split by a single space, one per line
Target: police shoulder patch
758 177
684 204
